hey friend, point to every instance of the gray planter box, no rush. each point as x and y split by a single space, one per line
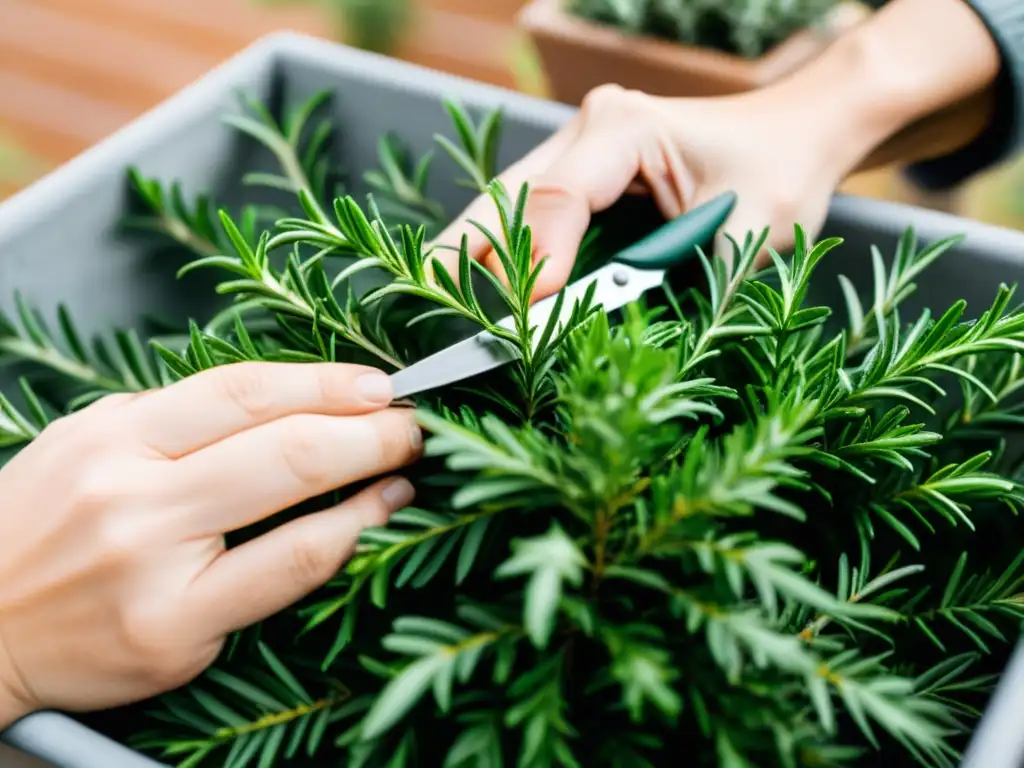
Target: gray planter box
59 241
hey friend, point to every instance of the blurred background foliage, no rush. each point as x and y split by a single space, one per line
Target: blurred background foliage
374 25
17 165
745 27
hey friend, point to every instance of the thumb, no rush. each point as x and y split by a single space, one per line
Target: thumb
558 220
591 175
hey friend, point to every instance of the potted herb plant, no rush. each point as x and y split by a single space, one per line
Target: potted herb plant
747 518
679 47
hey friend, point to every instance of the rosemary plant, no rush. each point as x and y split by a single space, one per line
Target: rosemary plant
724 521
749 28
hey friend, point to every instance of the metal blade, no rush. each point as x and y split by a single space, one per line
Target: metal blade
617 285
477 354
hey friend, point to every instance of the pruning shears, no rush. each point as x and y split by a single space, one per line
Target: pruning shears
632 272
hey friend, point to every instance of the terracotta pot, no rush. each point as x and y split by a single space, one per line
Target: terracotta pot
578 55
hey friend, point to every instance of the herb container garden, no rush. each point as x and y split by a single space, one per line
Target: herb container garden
62 241
579 54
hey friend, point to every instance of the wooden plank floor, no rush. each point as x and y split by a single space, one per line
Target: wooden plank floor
73 71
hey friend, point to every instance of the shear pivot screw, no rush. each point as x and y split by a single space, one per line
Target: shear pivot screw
620 278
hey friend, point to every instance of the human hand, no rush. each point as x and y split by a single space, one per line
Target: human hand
115 583
877 95
682 152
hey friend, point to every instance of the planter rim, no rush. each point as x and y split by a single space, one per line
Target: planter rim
548 17
997 240
34 735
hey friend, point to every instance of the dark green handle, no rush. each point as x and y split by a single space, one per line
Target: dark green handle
678 239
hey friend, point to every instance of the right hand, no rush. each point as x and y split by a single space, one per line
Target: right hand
877 94
682 152
115 582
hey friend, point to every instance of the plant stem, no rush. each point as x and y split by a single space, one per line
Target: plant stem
225 735
603 525
292 168
341 329
386 556
704 340
53 359
179 231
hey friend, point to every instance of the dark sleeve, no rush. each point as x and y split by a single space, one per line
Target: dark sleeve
1004 135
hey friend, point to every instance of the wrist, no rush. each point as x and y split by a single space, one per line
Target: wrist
879 94
832 113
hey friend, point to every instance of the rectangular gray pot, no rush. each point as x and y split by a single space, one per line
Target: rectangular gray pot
60 242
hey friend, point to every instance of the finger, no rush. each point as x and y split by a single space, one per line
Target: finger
666 176
558 217
220 402
266 575
103 409
105 404
483 210
638 188
257 473
591 175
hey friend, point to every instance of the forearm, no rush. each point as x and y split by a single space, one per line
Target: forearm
912 82
935 135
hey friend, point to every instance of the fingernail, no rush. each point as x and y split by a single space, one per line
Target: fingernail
416 436
398 493
375 387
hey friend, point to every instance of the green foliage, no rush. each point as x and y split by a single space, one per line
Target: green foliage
658 531
255 714
374 25
17 427
96 369
749 27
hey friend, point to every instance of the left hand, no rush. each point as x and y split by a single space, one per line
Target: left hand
116 583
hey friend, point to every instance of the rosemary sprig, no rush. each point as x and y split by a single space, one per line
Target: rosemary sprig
262 714
299 290
891 287
17 427
125 366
